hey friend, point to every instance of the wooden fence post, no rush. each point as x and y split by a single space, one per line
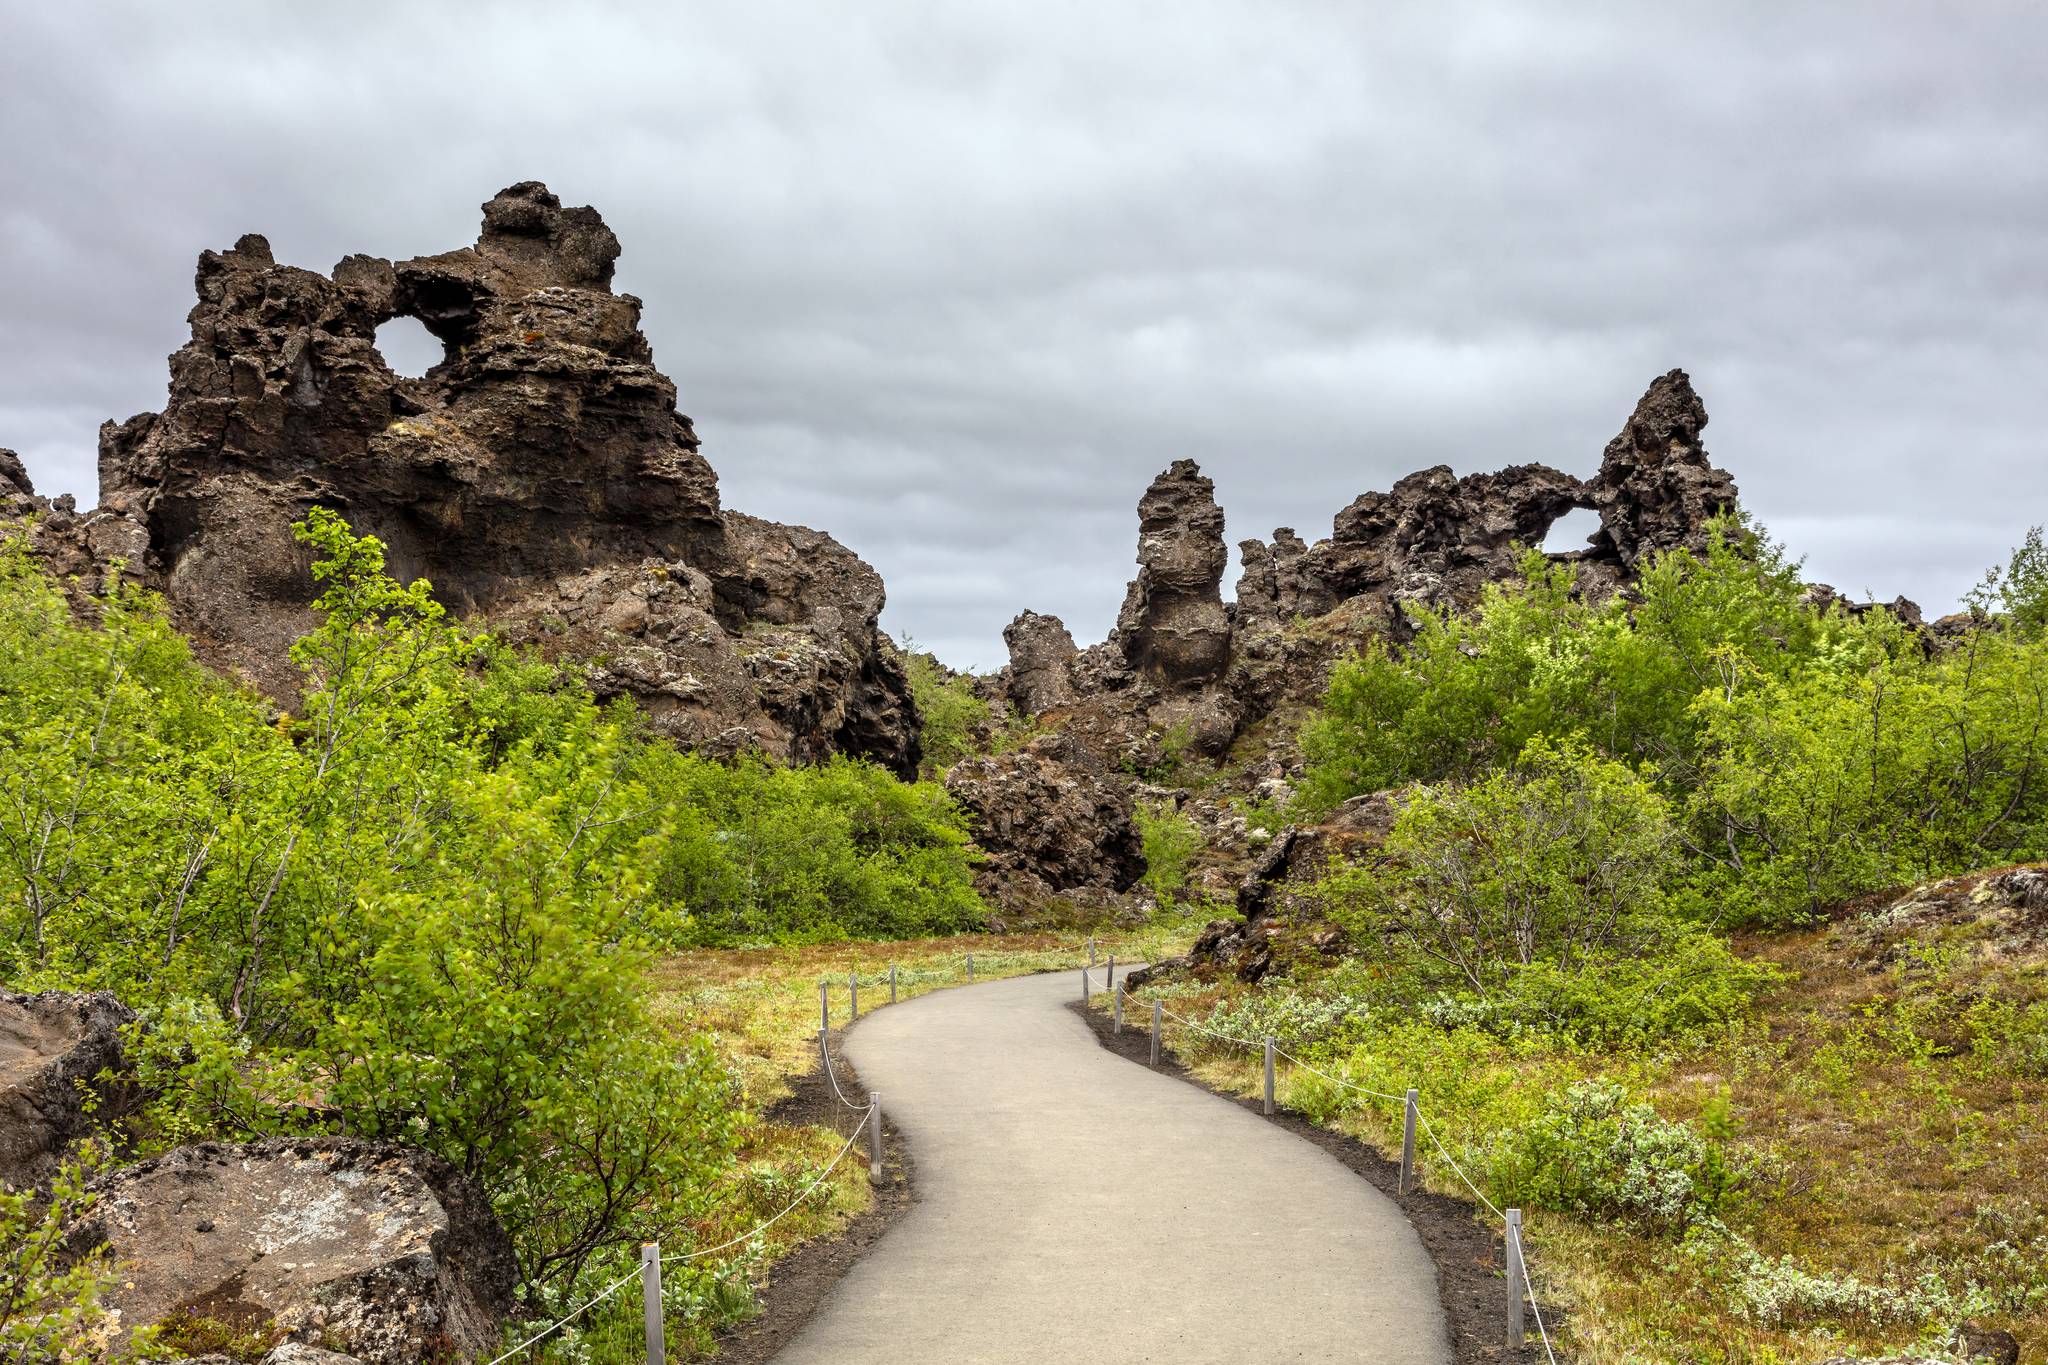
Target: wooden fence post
1408 1142
1518 1281
650 1301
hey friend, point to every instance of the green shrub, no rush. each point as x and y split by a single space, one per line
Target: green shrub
1593 1151
1536 659
418 908
1675 987
49 1301
951 718
1560 859
1171 841
761 852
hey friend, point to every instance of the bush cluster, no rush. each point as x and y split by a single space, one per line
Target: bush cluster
1595 1151
419 906
1804 754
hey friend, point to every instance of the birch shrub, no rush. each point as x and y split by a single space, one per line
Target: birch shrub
417 907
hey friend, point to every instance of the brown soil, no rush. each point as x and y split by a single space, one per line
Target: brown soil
1469 1257
800 1282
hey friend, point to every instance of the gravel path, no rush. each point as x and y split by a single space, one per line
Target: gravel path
1072 1206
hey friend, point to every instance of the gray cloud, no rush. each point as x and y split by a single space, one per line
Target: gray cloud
953 282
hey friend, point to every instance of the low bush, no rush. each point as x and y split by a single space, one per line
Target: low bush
1170 841
1594 1151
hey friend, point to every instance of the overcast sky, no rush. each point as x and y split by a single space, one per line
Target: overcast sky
952 281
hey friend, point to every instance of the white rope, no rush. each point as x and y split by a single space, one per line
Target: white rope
1536 1308
1241 1042
559 1323
808 1191
1339 1080
832 1074
1453 1164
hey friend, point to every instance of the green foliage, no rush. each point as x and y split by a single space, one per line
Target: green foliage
1171 841
1559 859
951 718
418 909
49 1301
1535 659
1679 983
2017 593
808 854
1808 755
1594 1151
1875 766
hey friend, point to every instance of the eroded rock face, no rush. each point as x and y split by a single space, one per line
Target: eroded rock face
54 1047
540 475
1041 648
386 1254
1180 664
1052 817
1656 489
1271 587
1434 539
1173 629
1275 922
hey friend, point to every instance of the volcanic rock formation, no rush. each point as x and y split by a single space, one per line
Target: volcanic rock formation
1173 628
56 1049
540 475
1053 817
1182 663
1040 650
1435 539
387 1253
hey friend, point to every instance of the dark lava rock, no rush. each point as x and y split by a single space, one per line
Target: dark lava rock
1041 649
1052 817
384 1253
54 1047
540 475
1656 489
1277 926
1173 628
1435 539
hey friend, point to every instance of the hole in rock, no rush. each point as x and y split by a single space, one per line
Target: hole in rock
1571 531
409 348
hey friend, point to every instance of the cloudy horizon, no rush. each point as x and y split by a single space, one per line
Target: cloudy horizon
954 283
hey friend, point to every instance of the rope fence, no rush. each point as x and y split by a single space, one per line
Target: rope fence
648 1272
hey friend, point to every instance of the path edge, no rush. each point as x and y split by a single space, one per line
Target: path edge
798 1285
1468 1258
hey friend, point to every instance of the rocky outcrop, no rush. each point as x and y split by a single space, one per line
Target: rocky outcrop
1041 649
1173 629
1275 923
1656 489
1435 540
1180 665
540 476
1053 818
1270 586
385 1254
60 1073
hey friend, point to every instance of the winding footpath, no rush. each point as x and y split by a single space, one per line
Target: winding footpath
1075 1206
